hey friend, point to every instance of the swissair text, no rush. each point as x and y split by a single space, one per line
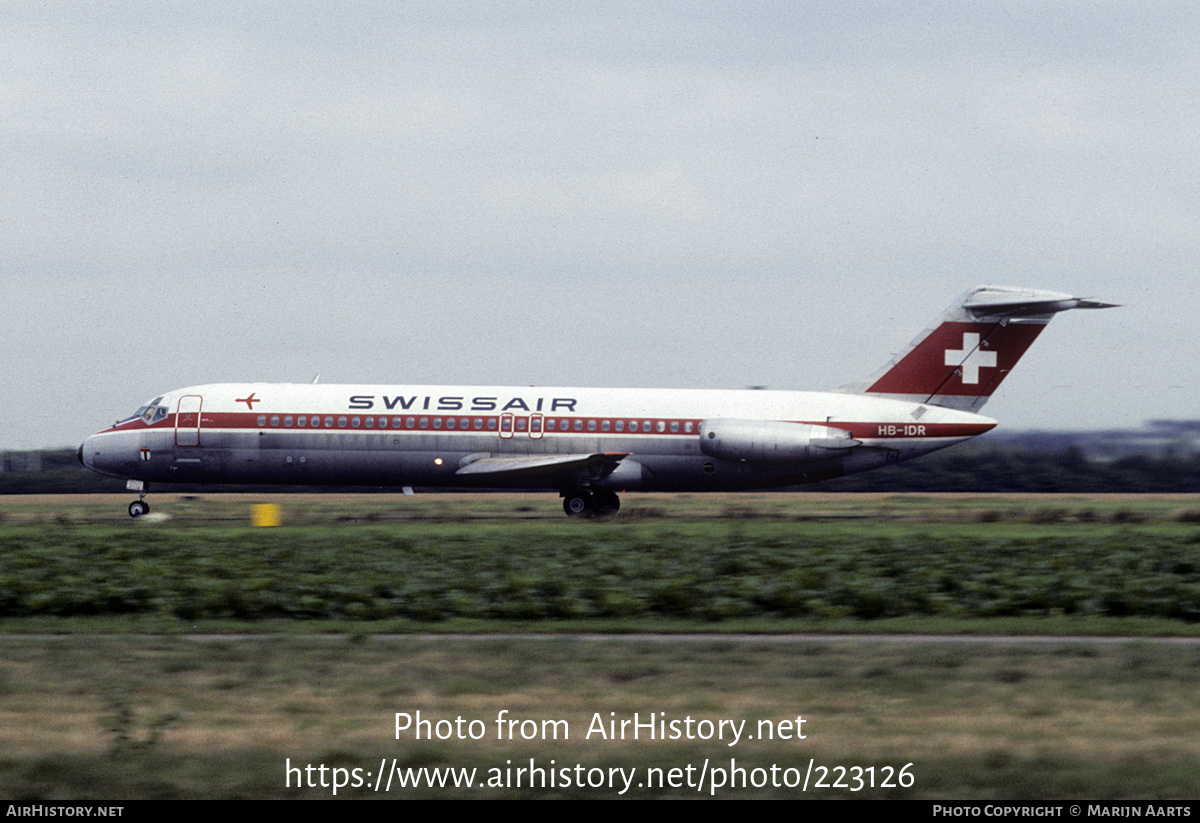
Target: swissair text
452 403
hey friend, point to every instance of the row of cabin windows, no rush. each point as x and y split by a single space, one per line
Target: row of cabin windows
315 421
661 426
521 424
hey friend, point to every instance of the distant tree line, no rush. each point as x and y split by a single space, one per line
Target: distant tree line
54 471
1021 470
965 469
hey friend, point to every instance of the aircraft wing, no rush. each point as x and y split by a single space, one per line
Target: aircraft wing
553 469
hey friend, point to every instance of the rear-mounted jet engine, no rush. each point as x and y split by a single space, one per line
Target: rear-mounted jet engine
771 441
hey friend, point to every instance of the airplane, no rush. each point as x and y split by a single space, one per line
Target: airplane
586 443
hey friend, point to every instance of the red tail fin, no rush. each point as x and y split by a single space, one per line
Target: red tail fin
961 359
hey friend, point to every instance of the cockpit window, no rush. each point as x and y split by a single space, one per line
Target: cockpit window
150 413
154 413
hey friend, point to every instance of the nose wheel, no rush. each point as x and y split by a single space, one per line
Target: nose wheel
138 507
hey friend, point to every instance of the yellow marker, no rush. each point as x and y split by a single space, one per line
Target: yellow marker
265 514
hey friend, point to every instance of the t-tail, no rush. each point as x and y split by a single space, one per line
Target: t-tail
961 359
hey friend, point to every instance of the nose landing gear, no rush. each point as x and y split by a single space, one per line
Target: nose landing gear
138 507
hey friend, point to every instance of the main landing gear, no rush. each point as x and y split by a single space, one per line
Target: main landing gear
590 504
138 507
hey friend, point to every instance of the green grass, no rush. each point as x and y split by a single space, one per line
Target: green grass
111 686
117 718
701 572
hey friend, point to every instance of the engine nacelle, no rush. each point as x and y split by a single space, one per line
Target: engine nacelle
771 441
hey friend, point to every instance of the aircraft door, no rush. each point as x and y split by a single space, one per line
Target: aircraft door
506 425
187 420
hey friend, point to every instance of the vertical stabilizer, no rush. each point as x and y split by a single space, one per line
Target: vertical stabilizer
964 356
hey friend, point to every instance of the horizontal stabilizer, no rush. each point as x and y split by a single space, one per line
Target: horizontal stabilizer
995 301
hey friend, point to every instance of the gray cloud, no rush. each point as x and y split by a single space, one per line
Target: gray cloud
628 194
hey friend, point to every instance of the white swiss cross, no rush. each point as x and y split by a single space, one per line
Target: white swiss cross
975 359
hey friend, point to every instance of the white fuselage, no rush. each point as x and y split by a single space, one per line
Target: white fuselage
428 436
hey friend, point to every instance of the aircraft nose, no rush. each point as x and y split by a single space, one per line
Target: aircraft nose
111 454
87 454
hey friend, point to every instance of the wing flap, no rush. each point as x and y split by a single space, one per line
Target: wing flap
555 469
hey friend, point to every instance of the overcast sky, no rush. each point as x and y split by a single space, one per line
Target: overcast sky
704 195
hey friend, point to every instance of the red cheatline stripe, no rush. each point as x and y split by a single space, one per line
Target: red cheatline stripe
874 431
562 425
